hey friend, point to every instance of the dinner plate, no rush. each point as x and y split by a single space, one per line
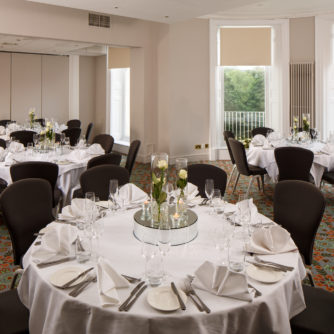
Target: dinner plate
164 299
264 275
64 275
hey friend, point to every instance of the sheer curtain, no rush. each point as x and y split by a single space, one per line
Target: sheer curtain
324 77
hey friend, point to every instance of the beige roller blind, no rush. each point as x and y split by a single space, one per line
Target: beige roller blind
245 46
118 57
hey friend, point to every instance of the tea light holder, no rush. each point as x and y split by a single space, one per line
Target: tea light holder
146 211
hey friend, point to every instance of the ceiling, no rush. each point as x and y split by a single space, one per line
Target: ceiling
171 11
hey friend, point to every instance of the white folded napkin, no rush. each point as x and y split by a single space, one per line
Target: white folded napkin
274 136
81 144
191 191
74 211
222 282
258 140
108 280
230 208
272 240
15 147
131 194
13 127
77 156
248 204
2 130
328 149
95 149
3 153
57 240
62 127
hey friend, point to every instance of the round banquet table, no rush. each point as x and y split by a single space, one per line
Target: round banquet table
265 158
52 310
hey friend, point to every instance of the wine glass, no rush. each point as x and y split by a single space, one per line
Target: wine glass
113 192
209 187
148 251
35 139
169 190
164 240
216 201
62 138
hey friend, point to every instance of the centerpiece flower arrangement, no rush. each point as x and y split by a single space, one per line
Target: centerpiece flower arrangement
245 141
306 122
48 133
181 166
295 126
159 166
32 114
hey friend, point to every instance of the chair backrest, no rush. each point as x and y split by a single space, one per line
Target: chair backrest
2 143
105 159
198 173
299 207
97 179
23 136
132 154
26 207
41 121
239 154
73 134
36 169
294 163
73 123
261 130
5 122
227 135
106 141
88 131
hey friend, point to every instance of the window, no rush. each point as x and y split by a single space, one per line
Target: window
120 104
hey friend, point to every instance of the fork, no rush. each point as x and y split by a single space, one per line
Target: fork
131 279
187 292
193 292
278 265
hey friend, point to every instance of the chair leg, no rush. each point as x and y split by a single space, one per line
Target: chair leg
310 277
258 184
262 180
231 175
249 185
236 182
16 274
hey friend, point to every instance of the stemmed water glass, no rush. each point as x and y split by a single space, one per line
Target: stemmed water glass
113 192
217 202
62 138
169 190
35 139
209 187
164 241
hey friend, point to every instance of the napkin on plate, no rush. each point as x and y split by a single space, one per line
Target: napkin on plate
13 127
77 156
222 282
328 149
2 130
272 240
108 280
76 210
131 194
248 204
57 240
62 127
95 149
258 140
15 147
81 144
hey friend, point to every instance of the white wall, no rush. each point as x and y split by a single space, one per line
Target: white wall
5 80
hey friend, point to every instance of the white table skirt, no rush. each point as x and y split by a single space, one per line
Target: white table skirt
265 158
53 311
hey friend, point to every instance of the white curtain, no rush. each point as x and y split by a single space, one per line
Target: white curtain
324 78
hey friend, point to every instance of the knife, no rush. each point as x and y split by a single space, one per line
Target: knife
266 266
54 262
69 283
132 293
78 289
127 307
183 307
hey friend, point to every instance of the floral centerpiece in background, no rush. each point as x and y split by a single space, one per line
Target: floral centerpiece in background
245 142
32 114
295 126
49 134
306 122
181 166
159 167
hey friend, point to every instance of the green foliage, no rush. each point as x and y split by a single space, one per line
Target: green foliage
244 90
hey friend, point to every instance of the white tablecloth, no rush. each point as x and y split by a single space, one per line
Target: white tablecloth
68 175
265 158
53 311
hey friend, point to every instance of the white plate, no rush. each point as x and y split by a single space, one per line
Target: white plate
264 275
164 299
64 275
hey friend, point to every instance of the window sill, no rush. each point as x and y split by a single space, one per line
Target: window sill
121 147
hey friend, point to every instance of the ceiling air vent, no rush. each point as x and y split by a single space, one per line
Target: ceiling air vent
97 20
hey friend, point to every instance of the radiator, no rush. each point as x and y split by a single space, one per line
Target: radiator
302 92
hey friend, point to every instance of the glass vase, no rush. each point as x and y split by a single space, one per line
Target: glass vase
181 166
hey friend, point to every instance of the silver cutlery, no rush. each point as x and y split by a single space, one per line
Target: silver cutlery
266 266
176 292
54 262
82 286
69 283
132 293
38 234
193 292
199 307
131 279
278 265
205 200
128 306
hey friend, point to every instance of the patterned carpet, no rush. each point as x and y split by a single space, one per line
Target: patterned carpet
323 259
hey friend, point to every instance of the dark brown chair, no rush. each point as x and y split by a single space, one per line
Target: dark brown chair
23 136
299 207
318 316
328 177
88 131
227 135
198 173
261 130
14 315
41 121
73 134
26 207
294 163
105 159
73 123
38 169
132 154
106 141
5 122
2 143
239 154
97 179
